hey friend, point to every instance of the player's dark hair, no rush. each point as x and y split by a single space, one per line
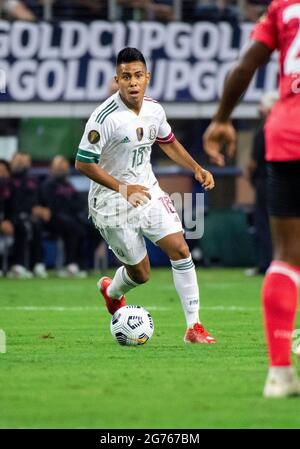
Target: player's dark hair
130 54
6 164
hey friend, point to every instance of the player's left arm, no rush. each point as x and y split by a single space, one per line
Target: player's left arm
175 151
221 131
239 77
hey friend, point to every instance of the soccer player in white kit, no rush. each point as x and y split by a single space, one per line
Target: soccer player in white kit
125 200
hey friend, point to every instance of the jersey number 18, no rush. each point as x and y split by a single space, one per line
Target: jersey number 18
138 156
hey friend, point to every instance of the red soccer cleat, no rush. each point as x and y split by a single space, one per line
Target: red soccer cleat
198 334
112 304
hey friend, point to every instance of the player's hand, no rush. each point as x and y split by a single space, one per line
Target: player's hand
136 194
205 178
7 228
217 135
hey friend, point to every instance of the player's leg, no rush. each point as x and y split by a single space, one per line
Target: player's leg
280 289
129 247
129 276
186 284
140 272
280 297
125 279
262 224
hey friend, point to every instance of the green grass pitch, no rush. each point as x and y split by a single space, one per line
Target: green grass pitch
62 368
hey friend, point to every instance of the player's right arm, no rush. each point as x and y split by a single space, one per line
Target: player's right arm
87 163
94 172
134 194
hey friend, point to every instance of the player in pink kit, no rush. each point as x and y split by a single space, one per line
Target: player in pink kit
278 29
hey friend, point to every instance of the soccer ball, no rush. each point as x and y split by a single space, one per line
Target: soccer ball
131 326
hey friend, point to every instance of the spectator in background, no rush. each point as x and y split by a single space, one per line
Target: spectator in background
28 217
161 10
68 9
254 9
15 9
89 9
257 175
59 195
217 10
6 200
6 210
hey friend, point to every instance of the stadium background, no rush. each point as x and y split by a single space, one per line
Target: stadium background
57 66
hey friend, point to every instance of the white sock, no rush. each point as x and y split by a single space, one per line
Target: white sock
186 284
121 284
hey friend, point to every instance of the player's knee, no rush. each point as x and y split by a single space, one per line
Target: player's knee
180 252
140 276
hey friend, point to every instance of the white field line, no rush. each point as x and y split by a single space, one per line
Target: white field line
95 309
208 285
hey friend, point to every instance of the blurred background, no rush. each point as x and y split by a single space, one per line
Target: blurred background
57 61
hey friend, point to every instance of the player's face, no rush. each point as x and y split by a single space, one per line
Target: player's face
132 79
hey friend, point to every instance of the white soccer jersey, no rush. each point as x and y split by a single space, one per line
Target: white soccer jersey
120 141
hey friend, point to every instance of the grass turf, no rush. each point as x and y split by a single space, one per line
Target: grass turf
62 368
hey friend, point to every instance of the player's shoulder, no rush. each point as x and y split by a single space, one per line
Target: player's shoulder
105 110
153 104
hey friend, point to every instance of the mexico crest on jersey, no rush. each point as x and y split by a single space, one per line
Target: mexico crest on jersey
152 132
140 133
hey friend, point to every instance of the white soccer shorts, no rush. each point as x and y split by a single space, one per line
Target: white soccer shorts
156 220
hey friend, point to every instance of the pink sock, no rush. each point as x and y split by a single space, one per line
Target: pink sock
280 294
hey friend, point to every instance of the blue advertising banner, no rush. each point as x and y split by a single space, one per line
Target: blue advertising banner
75 62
